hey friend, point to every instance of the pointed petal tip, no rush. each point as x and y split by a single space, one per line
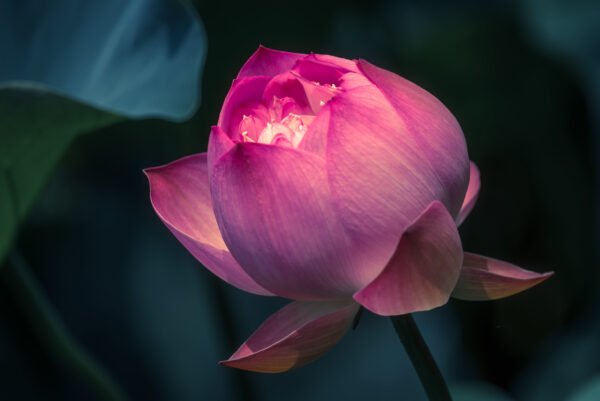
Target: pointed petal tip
422 272
484 279
268 62
471 195
295 335
180 196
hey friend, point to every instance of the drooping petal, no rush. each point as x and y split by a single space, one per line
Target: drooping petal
379 172
274 210
422 272
269 62
244 94
297 334
180 195
432 125
484 278
471 195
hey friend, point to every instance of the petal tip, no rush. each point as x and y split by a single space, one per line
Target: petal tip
411 282
484 279
294 336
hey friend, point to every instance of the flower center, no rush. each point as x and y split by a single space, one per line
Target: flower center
283 128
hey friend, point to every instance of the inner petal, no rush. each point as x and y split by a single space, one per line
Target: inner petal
288 132
288 105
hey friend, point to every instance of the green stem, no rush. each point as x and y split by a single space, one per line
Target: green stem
421 358
51 332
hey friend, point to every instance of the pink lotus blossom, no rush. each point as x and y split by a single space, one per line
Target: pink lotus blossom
333 183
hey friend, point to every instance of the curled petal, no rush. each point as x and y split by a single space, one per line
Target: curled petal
297 334
471 195
348 65
274 210
318 71
180 195
269 62
422 272
286 85
243 95
484 278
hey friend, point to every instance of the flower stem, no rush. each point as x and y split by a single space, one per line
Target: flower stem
51 332
421 358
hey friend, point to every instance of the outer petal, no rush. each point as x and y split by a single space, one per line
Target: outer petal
423 271
269 62
297 334
471 195
484 278
180 195
380 174
429 121
274 211
218 145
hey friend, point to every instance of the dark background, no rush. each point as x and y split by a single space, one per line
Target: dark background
523 80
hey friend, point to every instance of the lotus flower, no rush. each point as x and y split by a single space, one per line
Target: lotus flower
335 184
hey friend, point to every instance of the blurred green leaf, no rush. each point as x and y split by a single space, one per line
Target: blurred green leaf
36 127
74 67
588 392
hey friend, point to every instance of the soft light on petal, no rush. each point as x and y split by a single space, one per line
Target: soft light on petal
273 207
471 195
269 62
432 125
346 64
378 171
484 278
180 195
297 334
422 272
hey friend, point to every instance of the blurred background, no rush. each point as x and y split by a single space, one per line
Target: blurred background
521 77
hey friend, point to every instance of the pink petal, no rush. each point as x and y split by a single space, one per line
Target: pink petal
315 70
422 272
434 128
269 62
180 195
471 195
297 334
218 144
315 139
244 94
273 208
348 65
484 278
286 85
380 174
